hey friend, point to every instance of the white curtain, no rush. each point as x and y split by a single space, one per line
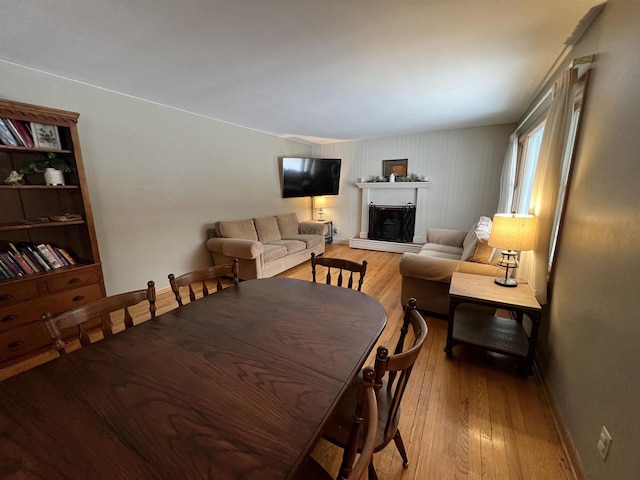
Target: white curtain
508 177
534 265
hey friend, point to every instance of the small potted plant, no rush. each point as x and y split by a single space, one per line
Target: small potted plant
51 165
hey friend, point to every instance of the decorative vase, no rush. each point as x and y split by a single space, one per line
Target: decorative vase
53 177
392 177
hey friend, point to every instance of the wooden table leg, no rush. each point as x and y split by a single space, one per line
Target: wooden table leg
448 349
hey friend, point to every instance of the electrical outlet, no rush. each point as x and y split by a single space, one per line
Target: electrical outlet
604 443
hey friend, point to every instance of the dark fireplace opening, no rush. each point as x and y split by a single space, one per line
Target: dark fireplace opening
392 223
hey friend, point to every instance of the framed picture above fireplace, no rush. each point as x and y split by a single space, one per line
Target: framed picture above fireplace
397 167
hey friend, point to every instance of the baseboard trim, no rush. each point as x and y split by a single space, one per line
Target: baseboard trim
575 464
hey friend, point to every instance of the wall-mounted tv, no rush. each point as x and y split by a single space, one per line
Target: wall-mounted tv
310 177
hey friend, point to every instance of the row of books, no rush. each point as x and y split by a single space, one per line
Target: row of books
17 133
28 258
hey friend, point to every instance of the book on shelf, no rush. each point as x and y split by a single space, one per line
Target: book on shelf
10 263
51 260
24 258
9 269
20 132
66 255
34 255
56 255
6 136
22 262
34 265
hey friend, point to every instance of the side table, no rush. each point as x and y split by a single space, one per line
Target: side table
498 334
328 229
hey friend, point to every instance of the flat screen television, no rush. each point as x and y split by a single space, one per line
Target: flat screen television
310 177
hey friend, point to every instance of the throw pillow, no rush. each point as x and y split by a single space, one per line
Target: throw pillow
244 229
288 224
267 229
475 247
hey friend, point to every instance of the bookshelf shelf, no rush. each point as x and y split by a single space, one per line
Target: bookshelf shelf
26 295
26 226
10 148
39 187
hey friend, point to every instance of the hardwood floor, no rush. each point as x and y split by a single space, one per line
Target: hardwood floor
467 417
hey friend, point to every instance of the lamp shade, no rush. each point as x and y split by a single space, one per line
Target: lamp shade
512 231
320 202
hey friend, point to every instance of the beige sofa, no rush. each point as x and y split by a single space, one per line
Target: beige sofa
426 275
265 246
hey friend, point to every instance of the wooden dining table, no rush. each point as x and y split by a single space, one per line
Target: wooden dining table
236 385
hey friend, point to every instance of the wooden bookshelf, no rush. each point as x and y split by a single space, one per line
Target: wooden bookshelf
25 218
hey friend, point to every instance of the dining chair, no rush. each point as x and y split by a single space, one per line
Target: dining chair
203 275
365 405
101 308
389 390
340 265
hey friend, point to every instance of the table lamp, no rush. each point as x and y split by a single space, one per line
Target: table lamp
512 233
320 203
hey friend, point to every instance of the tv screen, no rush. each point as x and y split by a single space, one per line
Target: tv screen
310 177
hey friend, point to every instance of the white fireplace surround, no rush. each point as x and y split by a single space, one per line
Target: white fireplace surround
392 193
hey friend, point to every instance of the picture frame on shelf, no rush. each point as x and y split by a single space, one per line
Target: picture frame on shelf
397 167
45 136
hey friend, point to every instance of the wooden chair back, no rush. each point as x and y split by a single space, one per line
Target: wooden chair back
101 308
400 364
340 265
203 275
366 404
363 416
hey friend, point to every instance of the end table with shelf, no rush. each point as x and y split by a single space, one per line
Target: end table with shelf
328 229
497 334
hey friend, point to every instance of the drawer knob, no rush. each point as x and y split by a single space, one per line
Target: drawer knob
78 298
5 297
15 343
74 280
8 318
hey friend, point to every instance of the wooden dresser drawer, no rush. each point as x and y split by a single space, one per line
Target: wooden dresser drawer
15 292
73 279
28 312
23 340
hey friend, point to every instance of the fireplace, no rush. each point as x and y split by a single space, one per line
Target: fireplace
392 223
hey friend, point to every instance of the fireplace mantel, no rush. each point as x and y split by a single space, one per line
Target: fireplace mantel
418 199
391 185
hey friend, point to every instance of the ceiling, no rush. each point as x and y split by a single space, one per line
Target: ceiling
317 70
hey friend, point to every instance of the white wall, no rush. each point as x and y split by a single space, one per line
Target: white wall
591 333
464 166
158 177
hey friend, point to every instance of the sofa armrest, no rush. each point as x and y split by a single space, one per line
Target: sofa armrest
427 268
443 236
236 247
478 268
311 228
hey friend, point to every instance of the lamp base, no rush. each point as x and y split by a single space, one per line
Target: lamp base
506 282
509 262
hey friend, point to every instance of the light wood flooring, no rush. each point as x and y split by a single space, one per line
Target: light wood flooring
466 417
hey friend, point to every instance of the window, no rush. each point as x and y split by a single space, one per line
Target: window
566 169
528 152
529 144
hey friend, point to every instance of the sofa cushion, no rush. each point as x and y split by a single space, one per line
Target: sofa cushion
273 252
292 246
288 224
244 229
310 240
448 249
475 245
267 229
437 254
